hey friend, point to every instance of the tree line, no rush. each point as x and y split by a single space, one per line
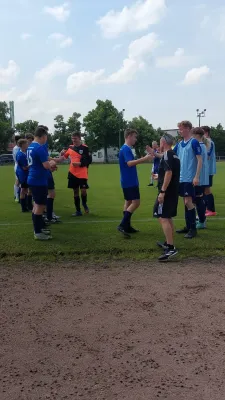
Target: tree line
103 127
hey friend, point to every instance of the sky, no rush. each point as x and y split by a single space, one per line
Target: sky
161 59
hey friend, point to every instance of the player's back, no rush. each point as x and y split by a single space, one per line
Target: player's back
36 155
21 159
204 174
212 158
187 151
128 175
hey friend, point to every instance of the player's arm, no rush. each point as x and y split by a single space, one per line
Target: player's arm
128 157
198 153
44 159
151 152
167 178
86 158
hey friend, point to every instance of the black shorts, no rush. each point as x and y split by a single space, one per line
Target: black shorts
186 189
40 194
24 185
168 209
51 183
199 191
210 181
76 183
131 193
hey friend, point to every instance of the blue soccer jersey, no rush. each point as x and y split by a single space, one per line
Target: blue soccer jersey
37 155
187 152
212 158
128 175
156 163
21 169
204 174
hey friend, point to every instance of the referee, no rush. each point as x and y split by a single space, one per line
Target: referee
165 207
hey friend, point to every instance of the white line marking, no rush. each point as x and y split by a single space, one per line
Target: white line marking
107 221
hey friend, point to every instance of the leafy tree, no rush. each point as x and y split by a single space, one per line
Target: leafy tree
103 125
218 136
6 132
146 134
28 126
61 138
73 123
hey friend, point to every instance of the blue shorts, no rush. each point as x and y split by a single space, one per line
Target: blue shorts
40 194
131 193
186 189
51 183
210 181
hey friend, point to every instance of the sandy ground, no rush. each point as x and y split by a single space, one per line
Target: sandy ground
133 331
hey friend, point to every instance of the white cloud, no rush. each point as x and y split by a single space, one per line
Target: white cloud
60 13
7 95
8 74
136 18
195 75
205 21
177 60
25 36
28 96
57 67
221 28
63 40
117 46
83 79
137 51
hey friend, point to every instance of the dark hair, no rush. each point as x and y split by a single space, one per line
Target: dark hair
21 142
197 131
29 136
206 129
128 132
41 131
186 124
17 138
76 134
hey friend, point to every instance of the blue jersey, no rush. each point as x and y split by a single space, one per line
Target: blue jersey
204 174
21 173
128 175
187 152
156 163
48 170
212 158
37 155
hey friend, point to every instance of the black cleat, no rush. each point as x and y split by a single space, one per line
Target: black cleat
163 246
132 230
184 230
169 253
191 234
124 233
150 184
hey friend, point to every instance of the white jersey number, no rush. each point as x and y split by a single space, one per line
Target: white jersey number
29 158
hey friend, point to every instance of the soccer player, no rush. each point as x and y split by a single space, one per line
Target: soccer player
22 172
30 138
189 152
16 184
165 207
39 165
129 181
155 166
198 134
209 198
80 159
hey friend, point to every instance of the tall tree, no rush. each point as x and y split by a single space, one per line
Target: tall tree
218 136
61 138
103 125
73 123
6 132
28 126
146 134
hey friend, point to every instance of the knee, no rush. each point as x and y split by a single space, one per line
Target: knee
136 203
83 192
188 202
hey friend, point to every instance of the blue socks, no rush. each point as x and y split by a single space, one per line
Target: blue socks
125 223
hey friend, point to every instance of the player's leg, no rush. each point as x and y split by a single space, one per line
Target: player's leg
76 193
168 230
23 199
200 207
50 202
151 176
83 189
17 190
29 200
191 217
40 194
132 198
209 199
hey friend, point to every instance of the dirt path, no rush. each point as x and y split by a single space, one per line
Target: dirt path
129 331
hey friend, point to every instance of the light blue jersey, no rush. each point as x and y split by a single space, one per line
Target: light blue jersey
212 158
204 175
187 152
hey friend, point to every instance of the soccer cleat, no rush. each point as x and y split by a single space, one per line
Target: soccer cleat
42 236
184 230
163 246
124 233
168 254
86 209
150 184
210 213
191 234
77 214
17 200
201 225
54 216
132 230
25 210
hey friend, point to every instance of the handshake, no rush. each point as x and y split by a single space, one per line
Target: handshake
53 165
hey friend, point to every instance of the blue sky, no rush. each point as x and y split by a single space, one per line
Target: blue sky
161 59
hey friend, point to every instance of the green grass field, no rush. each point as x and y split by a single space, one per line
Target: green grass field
95 236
